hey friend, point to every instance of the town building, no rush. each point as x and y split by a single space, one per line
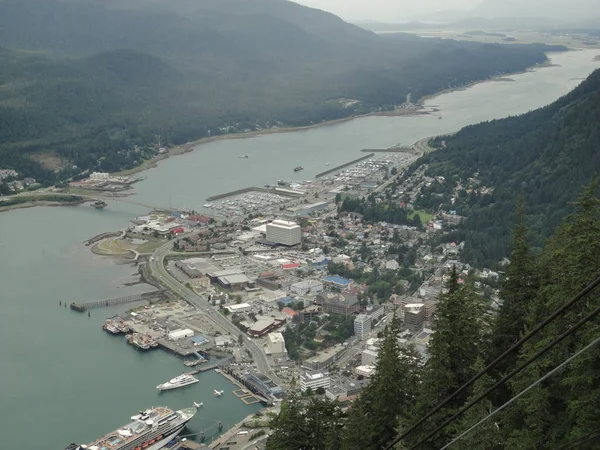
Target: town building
265 324
336 303
362 326
414 316
368 357
325 358
314 381
307 287
200 283
284 232
276 343
337 281
176 335
365 371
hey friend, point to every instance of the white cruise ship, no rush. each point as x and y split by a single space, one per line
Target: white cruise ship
177 382
149 430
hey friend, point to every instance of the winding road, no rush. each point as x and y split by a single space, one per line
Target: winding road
156 266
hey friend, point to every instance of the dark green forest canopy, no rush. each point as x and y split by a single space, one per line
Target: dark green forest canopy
96 82
547 155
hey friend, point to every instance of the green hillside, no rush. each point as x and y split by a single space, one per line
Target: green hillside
94 83
546 155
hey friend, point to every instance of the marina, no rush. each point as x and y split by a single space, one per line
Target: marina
342 166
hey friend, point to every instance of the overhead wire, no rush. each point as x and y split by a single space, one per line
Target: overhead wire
540 353
585 291
523 392
580 440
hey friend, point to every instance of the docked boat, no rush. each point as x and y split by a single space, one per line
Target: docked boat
142 341
194 363
115 325
99 204
152 429
177 382
298 168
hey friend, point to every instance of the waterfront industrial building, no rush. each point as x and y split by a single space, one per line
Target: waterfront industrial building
284 232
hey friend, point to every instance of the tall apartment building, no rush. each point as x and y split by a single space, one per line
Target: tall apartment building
284 232
362 326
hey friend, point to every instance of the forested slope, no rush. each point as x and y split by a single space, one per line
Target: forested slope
92 80
545 155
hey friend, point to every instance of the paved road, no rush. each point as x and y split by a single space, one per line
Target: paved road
158 270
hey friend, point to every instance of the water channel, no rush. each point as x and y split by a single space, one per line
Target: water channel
64 379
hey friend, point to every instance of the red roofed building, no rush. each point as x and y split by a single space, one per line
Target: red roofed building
290 312
290 266
200 219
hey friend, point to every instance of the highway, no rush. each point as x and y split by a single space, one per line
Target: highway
158 270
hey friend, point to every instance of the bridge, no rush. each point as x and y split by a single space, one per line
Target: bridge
155 295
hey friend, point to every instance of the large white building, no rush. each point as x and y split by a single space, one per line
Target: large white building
276 343
284 232
314 381
362 326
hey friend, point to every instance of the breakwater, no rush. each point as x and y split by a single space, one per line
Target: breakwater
335 169
389 150
102 236
251 189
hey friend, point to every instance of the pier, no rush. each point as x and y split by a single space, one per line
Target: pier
343 166
155 295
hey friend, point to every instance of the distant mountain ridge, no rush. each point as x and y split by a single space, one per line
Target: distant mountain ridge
94 82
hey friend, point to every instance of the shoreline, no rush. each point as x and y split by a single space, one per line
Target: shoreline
420 110
191 146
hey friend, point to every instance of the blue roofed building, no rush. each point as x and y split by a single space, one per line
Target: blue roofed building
337 281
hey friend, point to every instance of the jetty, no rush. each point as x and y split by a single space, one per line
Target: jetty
154 295
253 189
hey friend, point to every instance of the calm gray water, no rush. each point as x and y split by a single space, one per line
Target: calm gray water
63 378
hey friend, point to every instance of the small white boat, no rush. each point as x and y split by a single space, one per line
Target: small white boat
243 156
177 382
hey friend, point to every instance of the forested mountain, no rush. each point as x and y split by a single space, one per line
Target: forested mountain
546 155
544 395
94 82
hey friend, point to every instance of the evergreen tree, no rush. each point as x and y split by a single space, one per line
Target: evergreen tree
487 436
566 406
373 418
458 340
306 425
289 427
519 288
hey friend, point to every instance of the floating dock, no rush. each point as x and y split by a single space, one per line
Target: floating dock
343 166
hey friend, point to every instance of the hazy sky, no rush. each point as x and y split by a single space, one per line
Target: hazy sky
388 10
